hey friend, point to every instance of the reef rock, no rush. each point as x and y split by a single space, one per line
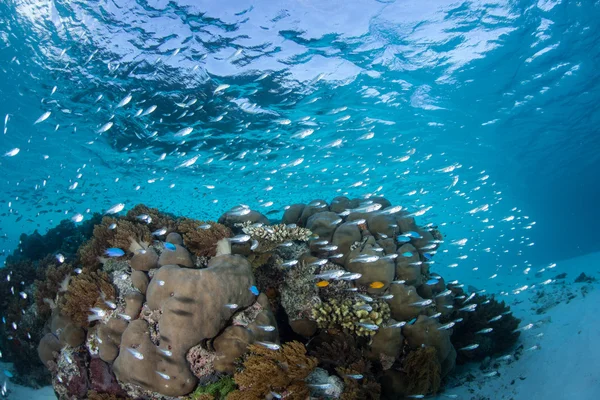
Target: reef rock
196 305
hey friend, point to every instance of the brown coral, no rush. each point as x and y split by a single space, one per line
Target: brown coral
85 291
158 220
121 237
281 371
423 370
202 242
48 288
358 389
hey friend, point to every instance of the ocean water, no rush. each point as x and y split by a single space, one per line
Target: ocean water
480 117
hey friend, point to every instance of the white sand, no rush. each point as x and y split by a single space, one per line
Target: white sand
21 392
567 365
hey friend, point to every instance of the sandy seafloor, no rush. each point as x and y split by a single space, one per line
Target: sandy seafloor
565 366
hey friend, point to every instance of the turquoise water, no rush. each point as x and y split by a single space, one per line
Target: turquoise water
481 116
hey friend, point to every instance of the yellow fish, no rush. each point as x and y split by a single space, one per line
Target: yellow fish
376 285
322 284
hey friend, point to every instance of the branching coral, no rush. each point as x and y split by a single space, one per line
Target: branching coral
281 371
269 237
200 241
500 339
351 316
423 370
84 292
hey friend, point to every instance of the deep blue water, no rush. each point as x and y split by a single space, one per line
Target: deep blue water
505 91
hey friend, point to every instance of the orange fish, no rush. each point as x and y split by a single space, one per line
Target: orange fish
376 285
323 284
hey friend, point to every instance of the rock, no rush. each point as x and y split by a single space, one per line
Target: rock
292 214
340 204
48 347
400 304
179 256
315 206
382 226
387 342
174 238
145 261
344 236
583 278
140 281
323 224
231 220
72 335
304 327
133 304
404 270
193 304
102 380
381 270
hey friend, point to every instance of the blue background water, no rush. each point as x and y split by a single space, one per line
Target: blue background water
505 89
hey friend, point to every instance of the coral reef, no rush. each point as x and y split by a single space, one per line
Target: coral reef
269 237
180 313
199 239
501 338
285 370
86 290
423 371
351 316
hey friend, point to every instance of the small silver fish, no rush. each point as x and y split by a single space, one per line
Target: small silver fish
167 353
392 256
365 297
112 226
490 374
444 293
317 263
232 306
350 276
333 274
286 244
483 331
331 247
161 283
422 303
397 324
470 347
266 328
399 282
436 315
159 232
357 222
446 326
370 327
254 245
164 376
135 353
386 297
60 258
319 386
125 317
469 308
504 358
354 376
352 289
269 345
365 307
364 258
204 226
239 239
457 320
78 271
289 263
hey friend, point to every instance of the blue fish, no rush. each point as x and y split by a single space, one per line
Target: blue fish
414 235
412 321
254 290
114 252
407 254
403 239
170 246
428 256
432 282
8 374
